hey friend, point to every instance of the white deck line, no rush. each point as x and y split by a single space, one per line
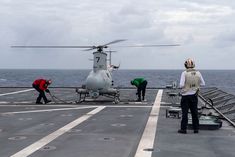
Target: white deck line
147 139
48 110
45 140
147 88
43 105
17 92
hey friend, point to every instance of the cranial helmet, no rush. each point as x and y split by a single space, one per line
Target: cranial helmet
189 63
49 81
132 82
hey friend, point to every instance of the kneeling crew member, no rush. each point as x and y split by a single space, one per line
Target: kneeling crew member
190 82
141 84
41 85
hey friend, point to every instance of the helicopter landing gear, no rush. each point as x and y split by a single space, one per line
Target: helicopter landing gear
116 100
82 94
117 97
111 93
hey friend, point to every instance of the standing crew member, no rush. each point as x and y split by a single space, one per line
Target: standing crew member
190 82
141 84
41 85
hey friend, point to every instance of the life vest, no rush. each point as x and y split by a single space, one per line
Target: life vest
192 81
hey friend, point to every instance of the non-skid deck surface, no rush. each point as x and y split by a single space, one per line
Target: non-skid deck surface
102 128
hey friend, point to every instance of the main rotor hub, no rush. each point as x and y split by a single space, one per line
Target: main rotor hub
100 48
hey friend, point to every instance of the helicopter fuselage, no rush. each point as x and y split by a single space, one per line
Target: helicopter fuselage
100 80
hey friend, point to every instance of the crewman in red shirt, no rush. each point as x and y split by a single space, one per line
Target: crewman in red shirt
41 85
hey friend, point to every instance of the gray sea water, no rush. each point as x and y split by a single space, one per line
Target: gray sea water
223 79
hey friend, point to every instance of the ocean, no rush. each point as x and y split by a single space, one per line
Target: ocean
222 79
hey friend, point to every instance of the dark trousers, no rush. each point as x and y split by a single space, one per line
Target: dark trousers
189 102
41 94
142 88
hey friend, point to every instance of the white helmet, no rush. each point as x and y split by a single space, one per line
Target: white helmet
189 63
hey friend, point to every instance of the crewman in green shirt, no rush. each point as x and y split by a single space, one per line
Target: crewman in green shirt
141 84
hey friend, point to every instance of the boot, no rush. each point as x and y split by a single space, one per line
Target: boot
195 131
182 131
47 101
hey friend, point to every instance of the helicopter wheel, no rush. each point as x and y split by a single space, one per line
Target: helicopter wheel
80 99
78 102
116 100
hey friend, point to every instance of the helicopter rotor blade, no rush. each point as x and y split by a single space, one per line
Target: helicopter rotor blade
88 48
92 48
115 41
163 45
110 51
51 46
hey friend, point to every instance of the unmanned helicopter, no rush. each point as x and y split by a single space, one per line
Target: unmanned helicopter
99 82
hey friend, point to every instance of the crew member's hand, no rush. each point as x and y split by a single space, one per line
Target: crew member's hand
47 90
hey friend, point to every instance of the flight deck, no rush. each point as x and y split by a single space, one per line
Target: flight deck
102 128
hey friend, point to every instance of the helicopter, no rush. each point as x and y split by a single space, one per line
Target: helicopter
99 82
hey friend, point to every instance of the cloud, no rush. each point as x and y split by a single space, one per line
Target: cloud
225 39
201 27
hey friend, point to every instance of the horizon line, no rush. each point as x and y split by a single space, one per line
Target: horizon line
91 69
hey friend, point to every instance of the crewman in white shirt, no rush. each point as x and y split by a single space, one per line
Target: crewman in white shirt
190 82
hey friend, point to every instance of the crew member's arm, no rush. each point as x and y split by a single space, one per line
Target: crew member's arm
136 83
202 82
182 80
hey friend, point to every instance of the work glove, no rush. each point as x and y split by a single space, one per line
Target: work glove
47 90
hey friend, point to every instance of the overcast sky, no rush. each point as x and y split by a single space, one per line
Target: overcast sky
204 28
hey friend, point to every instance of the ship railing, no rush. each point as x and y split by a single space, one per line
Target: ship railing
221 101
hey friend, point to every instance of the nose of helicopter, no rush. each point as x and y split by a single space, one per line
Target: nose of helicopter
94 83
